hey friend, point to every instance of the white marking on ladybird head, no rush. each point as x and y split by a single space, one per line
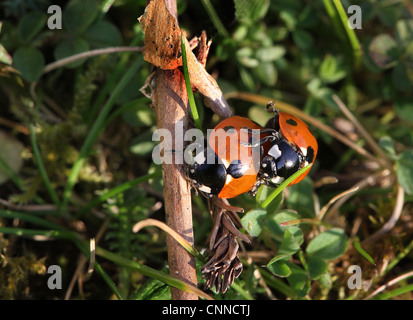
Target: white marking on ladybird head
277 180
275 152
205 189
199 158
304 151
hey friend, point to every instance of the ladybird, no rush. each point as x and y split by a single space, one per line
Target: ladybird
291 148
230 163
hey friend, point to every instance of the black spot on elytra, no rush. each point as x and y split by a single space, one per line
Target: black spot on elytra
229 129
292 122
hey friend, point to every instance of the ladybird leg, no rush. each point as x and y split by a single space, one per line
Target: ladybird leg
254 190
274 135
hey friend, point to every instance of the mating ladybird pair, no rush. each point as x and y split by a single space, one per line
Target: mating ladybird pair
285 145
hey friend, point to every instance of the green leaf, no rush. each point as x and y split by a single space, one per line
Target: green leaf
273 221
329 70
401 79
383 51
30 25
4 56
328 245
269 54
279 267
405 170
267 73
69 47
103 34
387 144
245 57
303 39
326 281
137 114
316 267
292 239
143 144
30 62
301 198
78 15
289 19
251 10
404 109
298 280
252 221
404 31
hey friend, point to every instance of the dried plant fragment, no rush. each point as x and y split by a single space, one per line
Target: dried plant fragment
224 265
162 49
162 36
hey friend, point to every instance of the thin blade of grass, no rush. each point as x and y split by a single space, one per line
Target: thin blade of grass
191 99
304 221
95 131
152 273
41 167
283 185
394 293
358 247
351 35
215 19
118 189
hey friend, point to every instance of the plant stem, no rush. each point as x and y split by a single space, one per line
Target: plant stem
171 107
97 52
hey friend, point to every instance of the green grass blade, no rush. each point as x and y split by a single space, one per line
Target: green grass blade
5 168
191 99
215 19
283 185
95 131
41 167
118 189
394 293
358 247
241 291
30 218
152 273
350 33
277 284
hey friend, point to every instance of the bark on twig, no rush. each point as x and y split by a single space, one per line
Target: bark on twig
170 101
171 105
